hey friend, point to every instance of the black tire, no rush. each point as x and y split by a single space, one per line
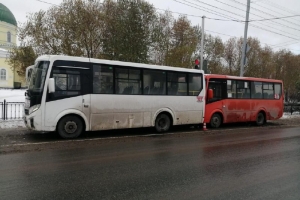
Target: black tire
215 120
70 127
260 119
162 123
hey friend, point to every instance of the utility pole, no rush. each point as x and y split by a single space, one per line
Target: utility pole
245 40
202 43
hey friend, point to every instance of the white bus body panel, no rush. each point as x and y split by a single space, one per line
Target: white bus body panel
124 111
132 111
55 110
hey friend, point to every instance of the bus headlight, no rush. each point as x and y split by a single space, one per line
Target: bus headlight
34 108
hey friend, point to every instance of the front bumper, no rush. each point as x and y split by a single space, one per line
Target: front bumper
33 121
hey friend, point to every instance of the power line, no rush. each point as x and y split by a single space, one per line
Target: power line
255 20
214 7
280 7
261 42
276 12
227 34
252 25
286 43
212 12
193 6
261 16
219 19
47 3
218 32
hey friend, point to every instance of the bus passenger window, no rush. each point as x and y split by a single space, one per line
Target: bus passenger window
154 82
268 90
278 90
102 79
67 82
231 89
177 84
256 90
219 89
195 84
128 81
243 90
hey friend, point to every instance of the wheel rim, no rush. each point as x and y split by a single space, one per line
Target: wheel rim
216 121
260 118
162 123
70 127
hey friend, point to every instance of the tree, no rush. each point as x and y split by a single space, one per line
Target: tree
20 58
183 43
214 51
161 38
127 30
73 28
232 56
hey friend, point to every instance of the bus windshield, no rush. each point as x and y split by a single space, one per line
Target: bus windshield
38 76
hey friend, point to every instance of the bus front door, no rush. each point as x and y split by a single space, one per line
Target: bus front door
71 96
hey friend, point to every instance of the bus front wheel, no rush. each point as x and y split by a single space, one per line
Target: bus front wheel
260 119
70 127
215 121
162 123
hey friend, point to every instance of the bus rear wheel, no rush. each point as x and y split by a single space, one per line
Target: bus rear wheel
162 123
70 127
260 119
215 121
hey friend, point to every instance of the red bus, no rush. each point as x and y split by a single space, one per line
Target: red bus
233 99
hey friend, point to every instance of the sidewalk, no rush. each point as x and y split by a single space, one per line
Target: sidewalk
11 124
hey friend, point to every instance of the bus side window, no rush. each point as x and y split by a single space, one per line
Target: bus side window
67 82
177 83
231 89
243 89
278 90
268 90
256 90
128 81
195 84
154 82
219 89
102 79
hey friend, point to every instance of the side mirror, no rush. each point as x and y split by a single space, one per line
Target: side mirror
51 85
210 94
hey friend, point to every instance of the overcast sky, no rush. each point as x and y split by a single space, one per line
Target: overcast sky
279 33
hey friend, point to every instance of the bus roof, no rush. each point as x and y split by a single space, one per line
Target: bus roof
241 78
116 63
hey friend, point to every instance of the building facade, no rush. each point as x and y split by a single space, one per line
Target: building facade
9 78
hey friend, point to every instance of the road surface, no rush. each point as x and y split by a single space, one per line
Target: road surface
254 163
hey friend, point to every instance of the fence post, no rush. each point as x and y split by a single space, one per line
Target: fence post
4 110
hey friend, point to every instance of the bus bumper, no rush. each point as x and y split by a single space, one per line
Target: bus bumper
33 121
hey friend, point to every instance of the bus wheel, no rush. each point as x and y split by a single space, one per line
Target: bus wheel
260 119
70 127
215 121
162 123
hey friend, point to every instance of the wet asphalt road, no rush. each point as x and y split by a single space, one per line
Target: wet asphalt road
255 163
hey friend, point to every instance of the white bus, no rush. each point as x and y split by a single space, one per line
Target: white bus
73 94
